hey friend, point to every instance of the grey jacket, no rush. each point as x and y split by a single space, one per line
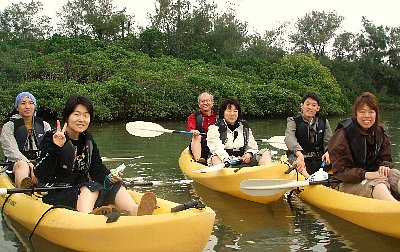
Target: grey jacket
9 142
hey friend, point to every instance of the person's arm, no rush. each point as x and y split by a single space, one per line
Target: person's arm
290 136
191 123
49 158
295 150
343 165
327 134
10 145
215 144
98 171
252 146
384 157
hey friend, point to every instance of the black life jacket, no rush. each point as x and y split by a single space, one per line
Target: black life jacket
304 138
224 136
200 119
21 136
67 172
358 146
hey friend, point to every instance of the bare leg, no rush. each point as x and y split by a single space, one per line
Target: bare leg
124 201
195 146
265 158
382 192
86 200
21 170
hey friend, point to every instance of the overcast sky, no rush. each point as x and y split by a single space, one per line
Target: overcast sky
264 15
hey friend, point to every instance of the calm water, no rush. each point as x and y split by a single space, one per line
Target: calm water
239 225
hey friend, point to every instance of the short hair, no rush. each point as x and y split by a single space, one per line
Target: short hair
199 97
74 101
371 101
228 103
311 95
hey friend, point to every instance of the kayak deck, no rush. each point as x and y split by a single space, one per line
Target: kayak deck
187 230
228 181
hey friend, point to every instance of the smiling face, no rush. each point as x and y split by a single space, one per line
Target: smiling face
205 103
231 114
366 117
309 108
26 108
78 121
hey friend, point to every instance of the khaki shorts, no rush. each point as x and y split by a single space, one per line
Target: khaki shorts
366 187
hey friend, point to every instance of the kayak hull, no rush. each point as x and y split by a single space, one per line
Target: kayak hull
376 215
187 230
227 181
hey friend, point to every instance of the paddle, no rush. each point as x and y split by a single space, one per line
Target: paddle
155 183
31 190
268 187
5 163
149 129
218 167
275 141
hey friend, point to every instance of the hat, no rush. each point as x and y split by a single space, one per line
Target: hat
23 95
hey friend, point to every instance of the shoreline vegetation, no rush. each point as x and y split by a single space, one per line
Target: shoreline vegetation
156 73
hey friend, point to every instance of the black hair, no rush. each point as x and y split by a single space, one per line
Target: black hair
311 95
74 101
228 103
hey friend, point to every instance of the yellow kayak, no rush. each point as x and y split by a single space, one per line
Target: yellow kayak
376 215
187 230
228 181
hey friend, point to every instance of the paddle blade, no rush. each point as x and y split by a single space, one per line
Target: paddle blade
268 187
253 187
144 129
213 168
275 141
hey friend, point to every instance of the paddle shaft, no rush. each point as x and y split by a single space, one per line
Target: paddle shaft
31 190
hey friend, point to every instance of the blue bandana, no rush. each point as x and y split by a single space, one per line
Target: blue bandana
23 95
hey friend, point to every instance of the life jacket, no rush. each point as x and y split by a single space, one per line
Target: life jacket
199 121
303 137
67 172
358 146
21 136
224 136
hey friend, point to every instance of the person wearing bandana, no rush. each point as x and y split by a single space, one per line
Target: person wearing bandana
21 139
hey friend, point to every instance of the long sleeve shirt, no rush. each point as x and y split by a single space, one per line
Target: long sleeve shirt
207 121
9 142
291 139
218 148
343 165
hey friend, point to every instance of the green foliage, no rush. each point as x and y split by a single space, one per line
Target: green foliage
300 74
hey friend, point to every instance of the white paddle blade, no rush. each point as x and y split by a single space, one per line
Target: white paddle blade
213 168
276 142
269 187
145 129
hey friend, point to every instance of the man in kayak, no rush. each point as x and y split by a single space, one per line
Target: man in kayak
361 155
21 138
307 136
69 155
199 122
231 138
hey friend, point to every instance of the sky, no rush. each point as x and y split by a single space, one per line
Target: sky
264 15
